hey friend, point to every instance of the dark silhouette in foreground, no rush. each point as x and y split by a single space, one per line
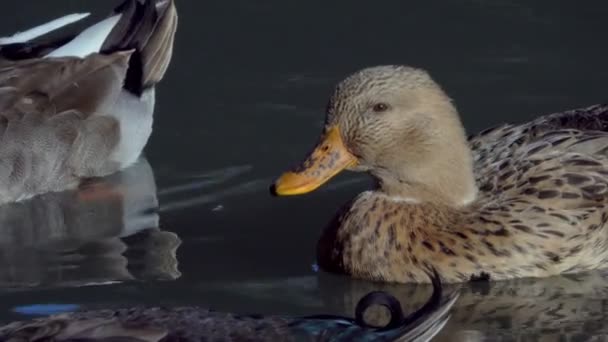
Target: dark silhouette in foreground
199 324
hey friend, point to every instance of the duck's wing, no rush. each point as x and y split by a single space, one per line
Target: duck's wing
582 130
53 86
48 133
141 33
551 148
64 102
545 180
149 29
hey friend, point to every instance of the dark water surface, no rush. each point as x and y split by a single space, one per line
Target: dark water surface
242 101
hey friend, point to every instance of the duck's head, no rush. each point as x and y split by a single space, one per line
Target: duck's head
396 123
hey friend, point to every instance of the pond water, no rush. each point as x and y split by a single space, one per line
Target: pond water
193 221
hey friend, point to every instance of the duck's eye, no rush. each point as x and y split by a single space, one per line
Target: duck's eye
380 107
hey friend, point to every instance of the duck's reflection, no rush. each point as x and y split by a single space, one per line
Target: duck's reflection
562 308
106 231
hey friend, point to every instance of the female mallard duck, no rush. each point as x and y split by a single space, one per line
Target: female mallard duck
197 324
513 201
81 105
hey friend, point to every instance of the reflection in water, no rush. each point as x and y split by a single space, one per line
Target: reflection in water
242 188
106 231
207 179
563 308
236 98
210 187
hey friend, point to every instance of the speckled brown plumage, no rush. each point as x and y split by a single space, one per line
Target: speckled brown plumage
525 200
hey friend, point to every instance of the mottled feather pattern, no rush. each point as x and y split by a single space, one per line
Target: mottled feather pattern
54 133
540 211
64 119
199 324
152 324
548 180
545 134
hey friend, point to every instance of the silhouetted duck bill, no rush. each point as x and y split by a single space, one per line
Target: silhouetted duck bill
328 158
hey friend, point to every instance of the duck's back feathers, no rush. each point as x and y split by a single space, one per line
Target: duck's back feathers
145 27
197 324
549 133
546 182
49 134
52 86
80 105
511 158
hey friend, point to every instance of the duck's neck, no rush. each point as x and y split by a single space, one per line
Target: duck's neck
448 190
443 174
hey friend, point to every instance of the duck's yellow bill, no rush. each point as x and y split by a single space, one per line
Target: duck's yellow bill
328 158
